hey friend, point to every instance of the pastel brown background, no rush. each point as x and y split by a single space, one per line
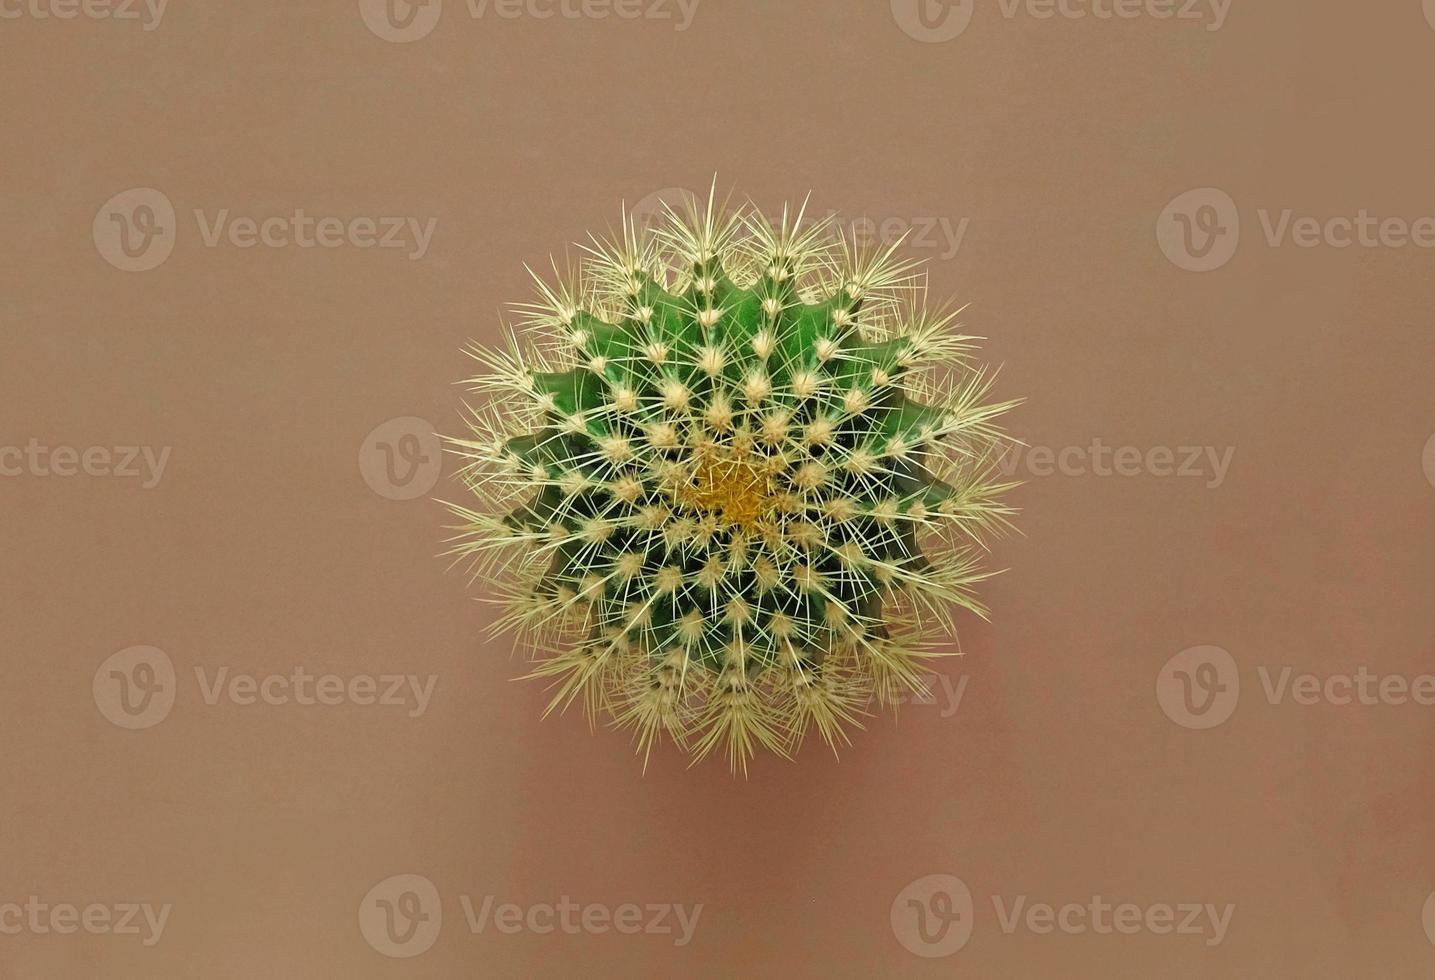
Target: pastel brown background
1058 777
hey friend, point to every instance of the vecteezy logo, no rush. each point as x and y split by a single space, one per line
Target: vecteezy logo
1427 918
1428 459
135 229
401 916
135 688
401 459
1200 229
1430 12
933 21
1199 687
932 917
401 21
647 212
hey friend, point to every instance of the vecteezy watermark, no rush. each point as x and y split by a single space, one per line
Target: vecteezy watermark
1200 230
673 919
1430 13
401 21
1427 913
149 13
143 463
934 21
401 459
137 230
934 916
1098 459
940 691
404 21
1427 460
401 916
41 918
411 692
940 234
1199 687
649 211
1103 918
136 688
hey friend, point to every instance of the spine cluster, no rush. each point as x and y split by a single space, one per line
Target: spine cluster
731 477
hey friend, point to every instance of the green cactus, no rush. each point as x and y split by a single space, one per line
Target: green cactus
732 477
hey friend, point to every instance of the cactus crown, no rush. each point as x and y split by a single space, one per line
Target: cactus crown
733 475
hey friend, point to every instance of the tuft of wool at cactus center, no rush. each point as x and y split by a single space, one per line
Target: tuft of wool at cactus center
731 478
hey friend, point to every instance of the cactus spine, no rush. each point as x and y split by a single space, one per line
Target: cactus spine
731 478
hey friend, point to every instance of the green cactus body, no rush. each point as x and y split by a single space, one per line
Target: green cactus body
738 477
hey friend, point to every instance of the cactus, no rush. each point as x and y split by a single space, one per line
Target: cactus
732 477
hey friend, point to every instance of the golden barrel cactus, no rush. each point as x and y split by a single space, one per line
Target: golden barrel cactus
730 476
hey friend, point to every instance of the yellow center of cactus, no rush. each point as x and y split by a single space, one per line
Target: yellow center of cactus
733 485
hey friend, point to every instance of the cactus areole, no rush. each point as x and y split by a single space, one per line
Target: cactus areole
730 479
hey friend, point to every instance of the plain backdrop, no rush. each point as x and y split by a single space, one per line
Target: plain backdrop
1055 145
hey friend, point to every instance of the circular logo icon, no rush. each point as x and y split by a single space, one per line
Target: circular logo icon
401 21
135 230
401 916
1428 461
648 211
1199 687
401 459
1200 229
932 917
933 21
135 688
